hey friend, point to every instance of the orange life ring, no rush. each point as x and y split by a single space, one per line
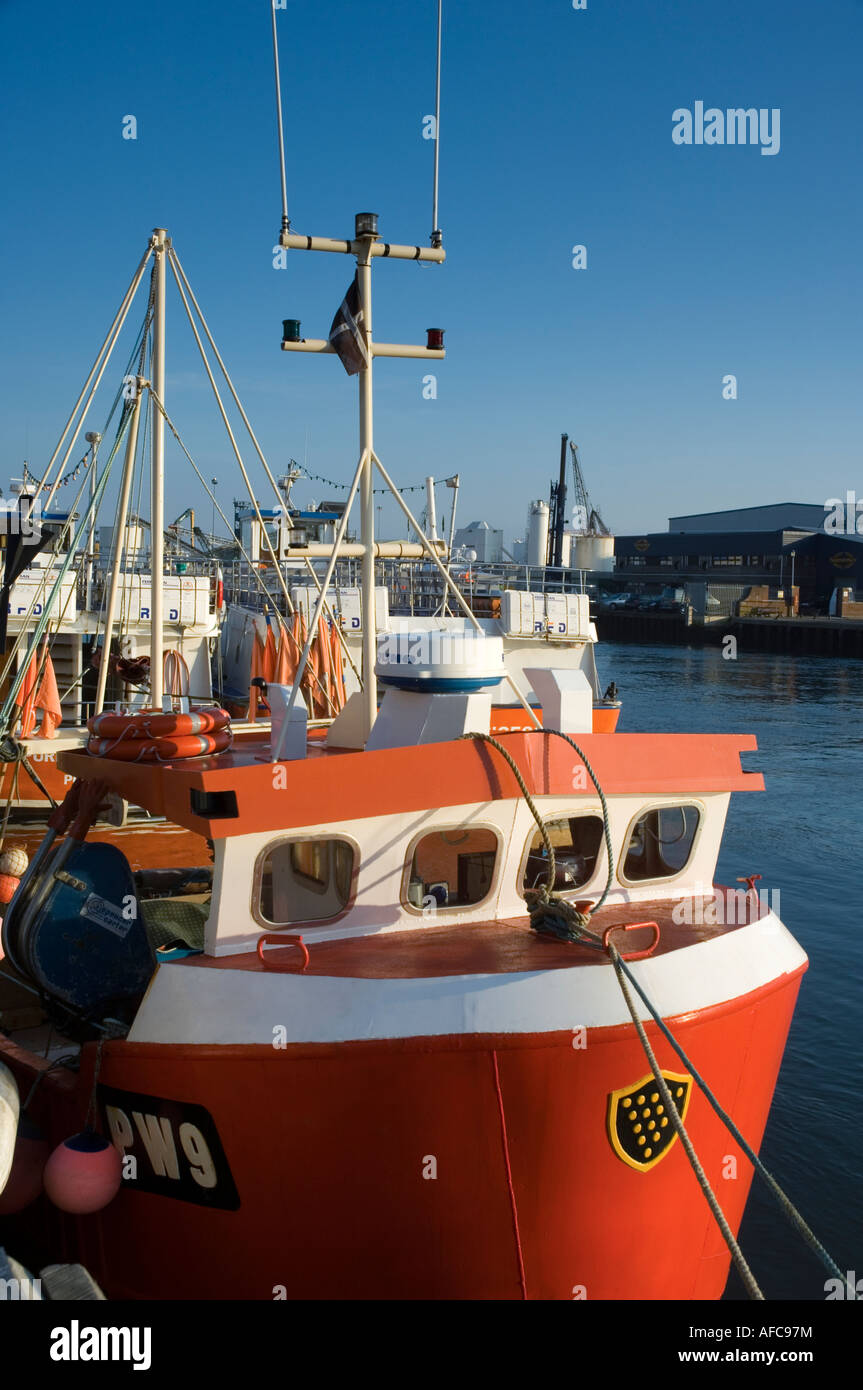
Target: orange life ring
152 724
159 750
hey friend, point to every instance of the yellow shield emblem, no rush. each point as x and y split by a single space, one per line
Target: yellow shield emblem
640 1131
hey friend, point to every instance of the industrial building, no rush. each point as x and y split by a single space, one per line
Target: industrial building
481 538
799 516
781 544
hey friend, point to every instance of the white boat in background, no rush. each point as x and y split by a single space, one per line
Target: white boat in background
286 548
67 590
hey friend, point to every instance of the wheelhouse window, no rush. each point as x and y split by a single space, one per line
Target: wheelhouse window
305 881
452 868
576 841
660 842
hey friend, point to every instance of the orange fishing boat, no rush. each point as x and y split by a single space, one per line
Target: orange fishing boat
440 1022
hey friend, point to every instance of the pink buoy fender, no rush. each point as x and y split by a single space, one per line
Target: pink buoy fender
83 1173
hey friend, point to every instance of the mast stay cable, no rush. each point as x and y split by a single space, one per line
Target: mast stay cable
64 531
437 235
286 225
95 501
212 496
107 348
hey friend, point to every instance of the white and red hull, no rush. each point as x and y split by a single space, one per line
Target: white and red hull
469 1161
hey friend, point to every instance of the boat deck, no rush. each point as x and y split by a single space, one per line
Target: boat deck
502 947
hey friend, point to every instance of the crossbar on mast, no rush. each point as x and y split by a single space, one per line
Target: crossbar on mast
376 349
293 241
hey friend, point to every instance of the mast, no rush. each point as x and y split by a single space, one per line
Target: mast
160 243
121 535
366 233
431 510
365 247
94 439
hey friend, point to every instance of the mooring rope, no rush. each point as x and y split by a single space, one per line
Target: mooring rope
787 1207
549 913
552 915
737 1256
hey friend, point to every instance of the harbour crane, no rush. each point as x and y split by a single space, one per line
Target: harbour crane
583 509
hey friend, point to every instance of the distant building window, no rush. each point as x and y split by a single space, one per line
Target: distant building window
304 881
576 841
660 843
452 868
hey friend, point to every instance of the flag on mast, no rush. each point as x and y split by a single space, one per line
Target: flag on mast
347 334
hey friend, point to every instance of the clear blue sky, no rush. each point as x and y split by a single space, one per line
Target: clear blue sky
556 130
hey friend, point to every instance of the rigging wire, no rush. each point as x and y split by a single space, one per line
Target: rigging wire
255 573
62 535
286 225
265 535
95 501
177 268
437 236
98 371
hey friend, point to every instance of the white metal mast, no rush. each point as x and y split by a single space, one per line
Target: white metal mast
121 534
366 247
94 439
367 509
160 244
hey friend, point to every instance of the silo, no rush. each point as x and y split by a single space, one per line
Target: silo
537 533
594 553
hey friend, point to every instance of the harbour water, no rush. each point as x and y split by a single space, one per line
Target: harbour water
803 835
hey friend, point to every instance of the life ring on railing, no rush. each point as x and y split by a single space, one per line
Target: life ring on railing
152 724
159 750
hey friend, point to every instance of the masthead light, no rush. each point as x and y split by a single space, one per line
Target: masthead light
366 224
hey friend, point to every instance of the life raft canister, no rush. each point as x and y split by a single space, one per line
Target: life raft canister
151 736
